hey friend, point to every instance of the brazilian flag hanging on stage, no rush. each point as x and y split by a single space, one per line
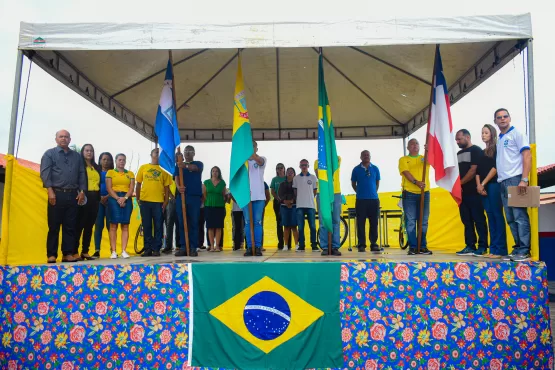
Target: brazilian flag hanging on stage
270 316
327 153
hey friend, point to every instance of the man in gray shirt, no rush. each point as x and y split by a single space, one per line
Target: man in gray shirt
305 185
63 174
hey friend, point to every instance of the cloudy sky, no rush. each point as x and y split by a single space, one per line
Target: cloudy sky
51 105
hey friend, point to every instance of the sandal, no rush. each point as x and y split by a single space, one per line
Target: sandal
217 249
51 259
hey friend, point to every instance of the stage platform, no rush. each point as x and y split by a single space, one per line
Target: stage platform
360 310
273 255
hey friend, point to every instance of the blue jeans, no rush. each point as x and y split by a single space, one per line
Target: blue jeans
411 208
496 222
311 215
335 218
151 214
472 216
192 202
102 218
257 211
517 218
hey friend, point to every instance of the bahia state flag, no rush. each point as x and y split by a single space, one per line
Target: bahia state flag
442 152
166 124
241 144
328 162
270 317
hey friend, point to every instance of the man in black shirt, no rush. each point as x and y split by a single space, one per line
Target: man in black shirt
471 208
63 174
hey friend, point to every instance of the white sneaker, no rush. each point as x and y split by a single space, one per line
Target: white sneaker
285 248
124 254
114 255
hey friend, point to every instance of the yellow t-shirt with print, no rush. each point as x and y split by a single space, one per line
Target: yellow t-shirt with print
153 180
415 165
336 184
120 180
93 178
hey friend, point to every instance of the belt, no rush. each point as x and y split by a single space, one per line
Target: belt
65 190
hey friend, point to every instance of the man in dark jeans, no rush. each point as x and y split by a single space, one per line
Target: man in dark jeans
170 219
274 187
471 208
63 174
365 180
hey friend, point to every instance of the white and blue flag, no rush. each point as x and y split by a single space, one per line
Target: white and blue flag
166 124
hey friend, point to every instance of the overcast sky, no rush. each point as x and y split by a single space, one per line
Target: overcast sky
52 106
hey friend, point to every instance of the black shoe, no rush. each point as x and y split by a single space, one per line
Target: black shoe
480 252
362 248
258 252
324 252
335 252
193 253
167 250
300 249
202 247
315 249
156 254
425 251
181 253
96 254
147 253
248 252
521 257
467 251
376 249
412 252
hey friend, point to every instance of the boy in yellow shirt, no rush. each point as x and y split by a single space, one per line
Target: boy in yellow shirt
152 191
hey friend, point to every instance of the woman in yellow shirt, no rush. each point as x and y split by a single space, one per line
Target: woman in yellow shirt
86 214
120 184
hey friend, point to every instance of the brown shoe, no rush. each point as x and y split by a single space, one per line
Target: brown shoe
51 259
77 257
69 259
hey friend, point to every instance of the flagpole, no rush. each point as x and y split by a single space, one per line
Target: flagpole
422 191
179 161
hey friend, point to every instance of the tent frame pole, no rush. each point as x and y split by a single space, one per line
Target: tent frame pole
15 102
404 146
534 213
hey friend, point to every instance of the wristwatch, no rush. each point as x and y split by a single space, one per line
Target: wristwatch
525 179
126 197
414 181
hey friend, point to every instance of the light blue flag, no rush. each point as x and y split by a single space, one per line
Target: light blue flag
166 124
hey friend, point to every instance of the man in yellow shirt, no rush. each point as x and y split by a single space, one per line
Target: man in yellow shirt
336 214
152 192
410 168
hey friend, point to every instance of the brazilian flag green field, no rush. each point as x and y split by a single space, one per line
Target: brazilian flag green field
268 316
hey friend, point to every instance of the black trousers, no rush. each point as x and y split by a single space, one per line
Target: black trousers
86 218
238 229
367 209
277 208
63 214
472 216
201 228
170 219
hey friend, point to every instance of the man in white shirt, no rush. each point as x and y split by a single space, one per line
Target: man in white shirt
513 163
305 186
257 165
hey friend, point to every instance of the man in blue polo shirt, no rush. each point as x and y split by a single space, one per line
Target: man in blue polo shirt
366 182
192 190
514 162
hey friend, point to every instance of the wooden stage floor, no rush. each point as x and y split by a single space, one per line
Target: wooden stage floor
272 255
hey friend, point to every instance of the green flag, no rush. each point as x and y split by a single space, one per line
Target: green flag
241 144
270 316
327 153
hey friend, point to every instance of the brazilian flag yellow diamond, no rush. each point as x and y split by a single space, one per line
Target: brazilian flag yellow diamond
266 314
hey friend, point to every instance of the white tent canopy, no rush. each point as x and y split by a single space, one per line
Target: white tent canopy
378 72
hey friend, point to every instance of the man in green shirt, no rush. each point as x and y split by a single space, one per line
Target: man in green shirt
274 187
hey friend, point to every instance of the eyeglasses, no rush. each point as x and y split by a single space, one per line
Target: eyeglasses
368 172
501 117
